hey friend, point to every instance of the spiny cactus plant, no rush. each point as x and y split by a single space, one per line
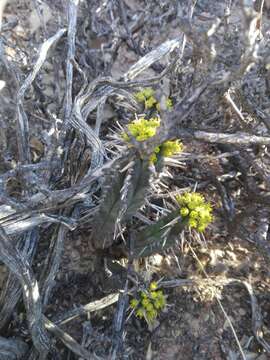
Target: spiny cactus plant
127 184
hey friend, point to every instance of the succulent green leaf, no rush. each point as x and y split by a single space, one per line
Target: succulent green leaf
159 236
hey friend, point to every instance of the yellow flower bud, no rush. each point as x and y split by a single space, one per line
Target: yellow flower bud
184 211
153 285
140 313
134 303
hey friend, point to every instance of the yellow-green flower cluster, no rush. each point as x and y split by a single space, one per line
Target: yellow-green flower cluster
149 304
142 129
147 96
194 207
169 104
167 149
171 147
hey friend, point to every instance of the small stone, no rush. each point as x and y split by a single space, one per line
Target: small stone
242 312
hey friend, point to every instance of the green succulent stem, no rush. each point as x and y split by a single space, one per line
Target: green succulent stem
159 236
124 193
